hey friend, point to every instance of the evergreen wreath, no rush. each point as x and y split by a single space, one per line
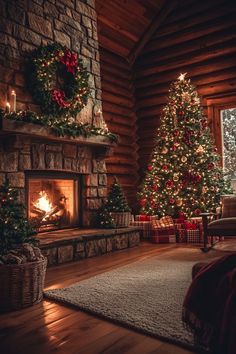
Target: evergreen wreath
58 80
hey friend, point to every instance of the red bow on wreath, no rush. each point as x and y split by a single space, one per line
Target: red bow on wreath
70 61
59 97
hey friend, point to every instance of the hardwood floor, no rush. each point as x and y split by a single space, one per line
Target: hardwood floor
52 328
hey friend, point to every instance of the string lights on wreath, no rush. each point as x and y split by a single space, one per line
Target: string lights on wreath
58 80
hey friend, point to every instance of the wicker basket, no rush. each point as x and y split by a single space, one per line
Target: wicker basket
21 285
121 219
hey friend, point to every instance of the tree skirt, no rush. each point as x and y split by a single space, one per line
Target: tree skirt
145 295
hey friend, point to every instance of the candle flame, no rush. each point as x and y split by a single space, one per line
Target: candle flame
13 92
8 105
43 203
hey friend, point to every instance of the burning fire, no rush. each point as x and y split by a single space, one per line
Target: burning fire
43 203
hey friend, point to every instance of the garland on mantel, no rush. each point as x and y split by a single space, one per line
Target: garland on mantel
61 127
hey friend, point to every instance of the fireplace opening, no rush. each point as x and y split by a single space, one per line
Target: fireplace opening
53 202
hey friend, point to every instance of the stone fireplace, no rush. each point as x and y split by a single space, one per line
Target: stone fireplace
53 200
62 181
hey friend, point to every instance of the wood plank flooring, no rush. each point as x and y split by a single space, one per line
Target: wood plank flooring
52 328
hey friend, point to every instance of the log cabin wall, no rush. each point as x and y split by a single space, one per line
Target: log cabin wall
197 37
119 114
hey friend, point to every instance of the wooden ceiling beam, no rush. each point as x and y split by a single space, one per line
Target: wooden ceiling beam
157 21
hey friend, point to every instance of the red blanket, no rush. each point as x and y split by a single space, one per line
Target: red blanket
209 308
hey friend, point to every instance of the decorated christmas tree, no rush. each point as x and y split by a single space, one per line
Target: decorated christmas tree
116 201
183 175
14 227
104 218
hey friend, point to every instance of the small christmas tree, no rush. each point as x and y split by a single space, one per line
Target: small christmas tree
105 219
116 201
184 174
14 227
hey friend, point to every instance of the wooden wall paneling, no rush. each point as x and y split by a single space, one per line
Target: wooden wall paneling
199 39
119 114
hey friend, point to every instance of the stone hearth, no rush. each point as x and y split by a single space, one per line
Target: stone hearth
76 244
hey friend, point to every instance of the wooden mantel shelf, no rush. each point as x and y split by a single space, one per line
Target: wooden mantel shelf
12 127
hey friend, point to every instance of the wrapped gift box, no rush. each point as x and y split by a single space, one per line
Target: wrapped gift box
193 236
143 217
181 235
163 230
164 239
146 229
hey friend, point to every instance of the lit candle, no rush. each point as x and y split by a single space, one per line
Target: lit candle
13 95
8 107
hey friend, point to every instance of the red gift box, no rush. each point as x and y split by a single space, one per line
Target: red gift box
164 239
181 235
193 236
163 230
143 217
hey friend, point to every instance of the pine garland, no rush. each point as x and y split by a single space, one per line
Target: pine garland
59 127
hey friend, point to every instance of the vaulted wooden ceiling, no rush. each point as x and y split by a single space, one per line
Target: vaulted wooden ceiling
124 25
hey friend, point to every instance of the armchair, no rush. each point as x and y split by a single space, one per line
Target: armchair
225 225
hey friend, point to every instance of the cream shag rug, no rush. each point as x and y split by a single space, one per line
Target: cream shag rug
145 295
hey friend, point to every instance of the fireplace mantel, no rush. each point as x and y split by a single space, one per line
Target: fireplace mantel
12 127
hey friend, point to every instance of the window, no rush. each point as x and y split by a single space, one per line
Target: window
228 131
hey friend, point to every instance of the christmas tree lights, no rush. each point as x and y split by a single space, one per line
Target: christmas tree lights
183 175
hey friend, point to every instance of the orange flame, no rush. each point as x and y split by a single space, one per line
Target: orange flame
43 203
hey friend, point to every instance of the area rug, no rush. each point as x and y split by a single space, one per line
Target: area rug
145 295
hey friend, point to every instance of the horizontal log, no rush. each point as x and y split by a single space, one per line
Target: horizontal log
224 49
124 170
196 70
118 100
114 160
193 19
116 89
117 118
109 58
190 8
203 43
122 111
198 81
109 43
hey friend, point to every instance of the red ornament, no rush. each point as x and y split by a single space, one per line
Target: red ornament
197 211
176 132
150 167
182 215
164 167
143 201
172 201
169 184
210 166
181 113
154 188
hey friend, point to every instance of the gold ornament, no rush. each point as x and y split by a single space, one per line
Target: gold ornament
175 177
200 149
179 202
186 96
184 159
164 150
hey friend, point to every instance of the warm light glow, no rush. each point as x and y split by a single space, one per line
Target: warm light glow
43 203
13 92
182 76
8 107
